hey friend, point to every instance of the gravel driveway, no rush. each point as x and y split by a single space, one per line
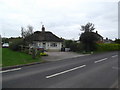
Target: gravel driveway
55 56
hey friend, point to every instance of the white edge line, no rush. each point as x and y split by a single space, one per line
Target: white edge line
114 56
100 60
65 71
10 70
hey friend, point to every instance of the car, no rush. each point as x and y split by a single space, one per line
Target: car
38 48
5 45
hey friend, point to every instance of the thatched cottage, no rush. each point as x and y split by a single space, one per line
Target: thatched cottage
45 39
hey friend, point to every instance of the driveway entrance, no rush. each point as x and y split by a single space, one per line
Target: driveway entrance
55 56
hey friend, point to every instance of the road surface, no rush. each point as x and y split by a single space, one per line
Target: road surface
91 71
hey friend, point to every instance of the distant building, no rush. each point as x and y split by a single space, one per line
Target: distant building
100 38
45 39
107 40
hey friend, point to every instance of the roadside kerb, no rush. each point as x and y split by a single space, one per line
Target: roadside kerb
18 66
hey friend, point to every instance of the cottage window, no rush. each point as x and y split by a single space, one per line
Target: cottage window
43 43
53 45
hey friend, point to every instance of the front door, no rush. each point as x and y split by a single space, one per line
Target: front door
44 45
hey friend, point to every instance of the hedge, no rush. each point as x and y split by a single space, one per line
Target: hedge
108 47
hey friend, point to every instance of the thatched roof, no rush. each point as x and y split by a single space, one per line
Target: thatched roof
43 36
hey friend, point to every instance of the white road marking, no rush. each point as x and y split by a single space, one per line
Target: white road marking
114 56
65 71
10 70
100 60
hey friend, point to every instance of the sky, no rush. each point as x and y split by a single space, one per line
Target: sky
62 17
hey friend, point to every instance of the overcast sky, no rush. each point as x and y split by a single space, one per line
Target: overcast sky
62 17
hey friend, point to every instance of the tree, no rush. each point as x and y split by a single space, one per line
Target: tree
67 43
5 40
27 36
89 27
74 46
117 41
26 32
30 29
22 32
88 38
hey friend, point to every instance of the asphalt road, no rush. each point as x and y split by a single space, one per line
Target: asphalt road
91 71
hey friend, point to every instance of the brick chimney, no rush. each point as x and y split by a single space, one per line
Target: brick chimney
43 28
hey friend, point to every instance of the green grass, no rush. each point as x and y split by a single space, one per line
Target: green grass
11 58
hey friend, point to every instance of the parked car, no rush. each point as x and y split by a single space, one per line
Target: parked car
5 45
38 48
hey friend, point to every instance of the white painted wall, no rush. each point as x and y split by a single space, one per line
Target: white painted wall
49 47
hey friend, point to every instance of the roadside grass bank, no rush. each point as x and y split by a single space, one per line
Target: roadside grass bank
11 58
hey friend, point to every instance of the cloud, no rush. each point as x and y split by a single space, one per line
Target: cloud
62 17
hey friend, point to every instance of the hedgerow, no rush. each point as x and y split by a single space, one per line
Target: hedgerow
108 47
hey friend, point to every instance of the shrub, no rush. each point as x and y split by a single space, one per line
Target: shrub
16 45
74 46
108 47
117 41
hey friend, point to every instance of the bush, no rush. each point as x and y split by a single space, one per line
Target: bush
16 45
74 46
108 47
117 41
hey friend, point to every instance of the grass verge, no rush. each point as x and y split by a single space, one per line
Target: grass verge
11 58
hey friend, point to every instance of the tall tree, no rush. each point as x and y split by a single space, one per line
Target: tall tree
30 29
27 35
89 27
22 32
88 37
26 32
